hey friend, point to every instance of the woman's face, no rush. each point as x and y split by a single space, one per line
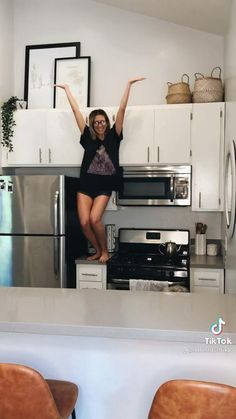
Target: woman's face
99 125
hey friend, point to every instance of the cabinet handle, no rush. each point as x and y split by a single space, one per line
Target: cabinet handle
50 155
158 153
89 274
200 200
148 154
207 279
40 155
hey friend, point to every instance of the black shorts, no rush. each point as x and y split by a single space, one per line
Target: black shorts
94 194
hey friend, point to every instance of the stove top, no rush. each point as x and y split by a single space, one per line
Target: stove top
148 259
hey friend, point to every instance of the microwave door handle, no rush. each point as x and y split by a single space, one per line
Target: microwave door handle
172 188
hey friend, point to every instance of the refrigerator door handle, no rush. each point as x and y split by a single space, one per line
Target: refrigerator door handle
230 185
56 214
56 255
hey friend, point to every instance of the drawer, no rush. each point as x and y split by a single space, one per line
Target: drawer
207 278
211 290
90 285
90 273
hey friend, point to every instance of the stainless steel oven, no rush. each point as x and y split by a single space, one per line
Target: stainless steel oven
156 185
151 259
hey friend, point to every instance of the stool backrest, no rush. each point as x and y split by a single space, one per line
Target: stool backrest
187 399
24 394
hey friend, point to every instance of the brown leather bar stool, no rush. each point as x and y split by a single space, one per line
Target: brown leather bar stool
25 394
187 399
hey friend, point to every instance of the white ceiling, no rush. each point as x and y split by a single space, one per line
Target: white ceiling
205 15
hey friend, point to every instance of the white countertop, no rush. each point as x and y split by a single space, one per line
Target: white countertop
111 313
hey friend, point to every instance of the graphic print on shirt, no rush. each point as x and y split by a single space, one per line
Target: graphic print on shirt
101 164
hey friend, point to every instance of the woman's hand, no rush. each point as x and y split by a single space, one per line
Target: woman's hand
62 86
132 81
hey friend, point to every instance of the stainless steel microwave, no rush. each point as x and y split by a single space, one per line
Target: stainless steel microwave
156 185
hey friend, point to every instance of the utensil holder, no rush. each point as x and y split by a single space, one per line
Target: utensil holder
200 244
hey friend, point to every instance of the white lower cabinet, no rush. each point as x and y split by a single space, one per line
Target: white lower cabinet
207 280
91 276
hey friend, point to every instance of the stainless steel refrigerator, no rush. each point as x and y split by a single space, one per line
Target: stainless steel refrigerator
40 235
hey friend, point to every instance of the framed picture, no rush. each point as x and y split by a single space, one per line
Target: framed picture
39 71
76 73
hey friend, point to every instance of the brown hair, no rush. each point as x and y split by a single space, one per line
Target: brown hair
92 115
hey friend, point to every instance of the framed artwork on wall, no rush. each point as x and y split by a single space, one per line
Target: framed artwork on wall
76 73
39 71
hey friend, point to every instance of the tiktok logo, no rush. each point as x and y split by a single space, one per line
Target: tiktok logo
217 327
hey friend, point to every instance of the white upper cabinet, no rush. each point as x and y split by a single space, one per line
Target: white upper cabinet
28 139
172 134
154 135
44 137
138 134
207 156
63 139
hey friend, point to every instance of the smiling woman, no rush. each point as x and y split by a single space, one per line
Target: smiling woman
100 171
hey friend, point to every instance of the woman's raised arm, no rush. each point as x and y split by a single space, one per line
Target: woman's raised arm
123 103
74 106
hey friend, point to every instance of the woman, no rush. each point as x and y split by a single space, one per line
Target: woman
100 172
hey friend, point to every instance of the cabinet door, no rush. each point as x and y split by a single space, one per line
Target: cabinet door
29 139
63 139
207 156
207 280
172 134
138 132
211 290
91 273
89 285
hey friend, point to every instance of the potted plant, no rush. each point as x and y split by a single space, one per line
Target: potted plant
8 121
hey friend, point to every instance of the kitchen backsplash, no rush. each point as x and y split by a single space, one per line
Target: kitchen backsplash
165 217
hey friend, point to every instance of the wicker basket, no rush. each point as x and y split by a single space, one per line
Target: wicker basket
208 89
181 87
179 92
179 98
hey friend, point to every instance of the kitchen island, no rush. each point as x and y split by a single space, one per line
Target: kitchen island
118 346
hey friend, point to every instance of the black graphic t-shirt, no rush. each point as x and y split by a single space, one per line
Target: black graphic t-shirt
100 168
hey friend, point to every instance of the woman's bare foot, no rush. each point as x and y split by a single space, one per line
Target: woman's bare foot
104 257
95 256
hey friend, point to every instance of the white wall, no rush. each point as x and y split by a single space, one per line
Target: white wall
6 50
121 44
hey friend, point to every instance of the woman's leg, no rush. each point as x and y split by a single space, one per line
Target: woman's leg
97 211
84 206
